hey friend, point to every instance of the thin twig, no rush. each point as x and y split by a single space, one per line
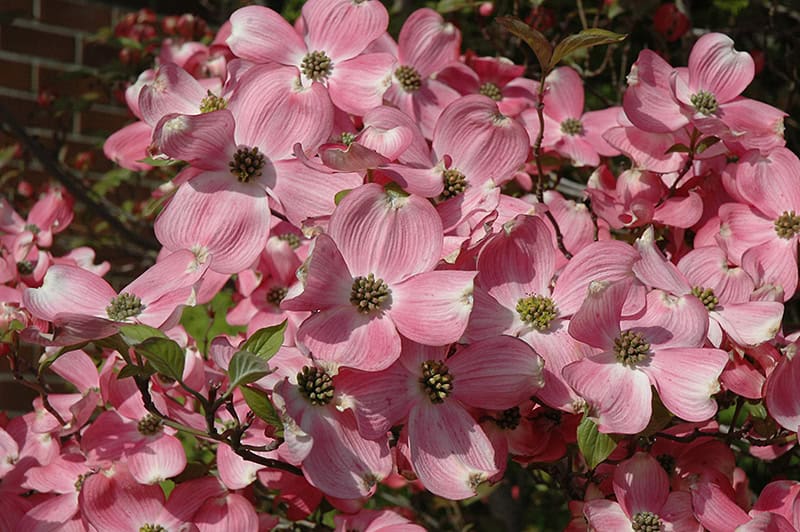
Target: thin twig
537 155
73 185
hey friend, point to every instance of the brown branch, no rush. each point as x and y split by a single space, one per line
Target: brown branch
537 155
73 185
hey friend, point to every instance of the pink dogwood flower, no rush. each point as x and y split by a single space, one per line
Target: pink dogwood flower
331 51
81 305
371 278
567 129
762 236
426 45
725 291
448 450
644 500
662 348
323 439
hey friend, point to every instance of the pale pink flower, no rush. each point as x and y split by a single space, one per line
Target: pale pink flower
725 291
644 500
112 499
426 45
662 99
375 521
330 52
780 393
448 450
371 278
323 439
662 348
567 129
513 296
81 305
762 237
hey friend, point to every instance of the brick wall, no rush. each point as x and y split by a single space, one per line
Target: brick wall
43 44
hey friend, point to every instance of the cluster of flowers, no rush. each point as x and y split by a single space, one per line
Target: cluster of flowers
431 324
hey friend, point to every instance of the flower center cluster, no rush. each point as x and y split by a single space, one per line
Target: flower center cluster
706 296
316 65
369 293
408 78
149 425
647 522
25 267
247 164
290 238
152 528
33 228
455 182
212 103
704 103
276 295
537 311
572 126
79 482
347 138
492 91
509 419
315 385
631 348
124 306
437 383
787 225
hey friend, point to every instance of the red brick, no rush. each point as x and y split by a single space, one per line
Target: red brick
16 8
71 83
29 114
96 122
87 17
37 42
15 75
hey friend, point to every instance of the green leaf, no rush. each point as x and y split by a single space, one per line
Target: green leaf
137 333
165 355
132 370
261 406
205 322
111 180
265 342
706 143
341 195
130 43
245 368
46 362
678 148
115 343
7 154
594 445
538 42
584 39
